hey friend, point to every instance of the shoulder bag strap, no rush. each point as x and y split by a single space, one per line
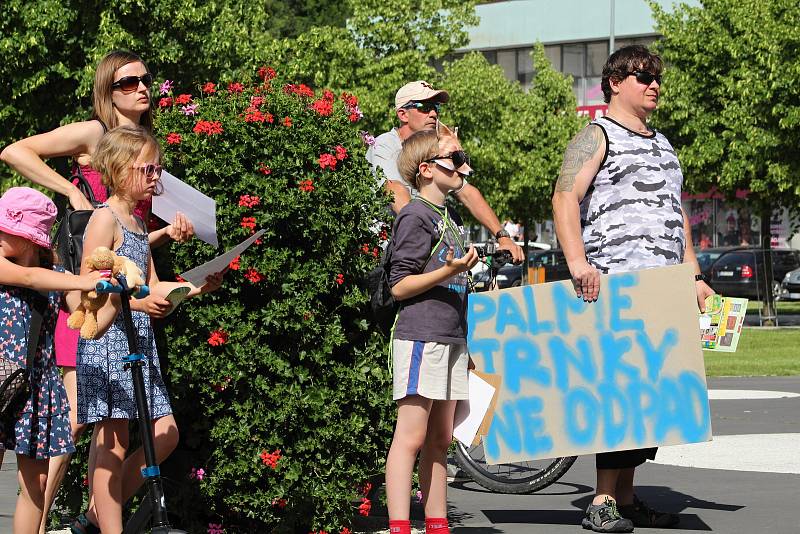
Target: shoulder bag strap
83 185
37 310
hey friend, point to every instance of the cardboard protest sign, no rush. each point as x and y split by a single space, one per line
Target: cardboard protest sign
620 373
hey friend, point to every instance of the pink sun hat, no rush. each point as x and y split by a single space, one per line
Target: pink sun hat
25 212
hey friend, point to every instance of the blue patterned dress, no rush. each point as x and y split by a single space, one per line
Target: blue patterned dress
44 431
105 388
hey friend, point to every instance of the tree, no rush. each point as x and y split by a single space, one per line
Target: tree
516 138
731 102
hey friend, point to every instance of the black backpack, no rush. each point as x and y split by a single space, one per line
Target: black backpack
383 305
69 233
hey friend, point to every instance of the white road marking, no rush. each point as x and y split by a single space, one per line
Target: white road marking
740 394
765 453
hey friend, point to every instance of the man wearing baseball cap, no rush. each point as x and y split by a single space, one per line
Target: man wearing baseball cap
417 105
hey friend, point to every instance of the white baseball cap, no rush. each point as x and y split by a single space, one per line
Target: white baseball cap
417 91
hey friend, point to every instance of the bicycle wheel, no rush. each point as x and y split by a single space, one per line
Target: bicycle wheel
519 477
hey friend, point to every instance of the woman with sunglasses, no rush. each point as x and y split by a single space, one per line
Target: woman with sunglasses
121 96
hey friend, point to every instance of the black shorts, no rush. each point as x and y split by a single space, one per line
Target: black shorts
624 459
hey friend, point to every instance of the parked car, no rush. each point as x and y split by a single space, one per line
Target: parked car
736 273
553 261
707 257
790 287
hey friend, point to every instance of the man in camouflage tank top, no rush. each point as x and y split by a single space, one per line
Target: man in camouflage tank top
617 207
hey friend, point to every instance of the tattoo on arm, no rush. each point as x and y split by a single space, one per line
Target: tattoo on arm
580 150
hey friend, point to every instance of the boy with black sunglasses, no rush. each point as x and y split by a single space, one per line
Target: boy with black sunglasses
417 106
617 207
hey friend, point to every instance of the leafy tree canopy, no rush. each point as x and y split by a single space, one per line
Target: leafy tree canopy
731 103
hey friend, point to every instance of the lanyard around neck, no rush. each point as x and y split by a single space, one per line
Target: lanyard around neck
447 222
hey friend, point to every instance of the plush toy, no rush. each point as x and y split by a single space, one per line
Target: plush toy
85 316
134 277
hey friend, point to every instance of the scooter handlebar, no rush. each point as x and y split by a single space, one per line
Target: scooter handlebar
104 286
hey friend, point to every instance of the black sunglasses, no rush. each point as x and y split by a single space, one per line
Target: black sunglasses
425 106
129 84
459 158
645 78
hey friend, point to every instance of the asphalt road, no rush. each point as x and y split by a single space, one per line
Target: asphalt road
746 481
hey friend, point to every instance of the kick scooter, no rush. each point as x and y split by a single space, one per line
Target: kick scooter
153 509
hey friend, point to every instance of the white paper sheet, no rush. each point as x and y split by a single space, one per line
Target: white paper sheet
470 413
198 275
199 208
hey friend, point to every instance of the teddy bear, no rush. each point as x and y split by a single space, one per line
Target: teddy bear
85 316
134 277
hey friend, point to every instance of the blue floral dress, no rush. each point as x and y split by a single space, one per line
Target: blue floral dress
105 387
41 430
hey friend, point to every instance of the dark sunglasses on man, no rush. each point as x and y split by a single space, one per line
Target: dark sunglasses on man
425 106
129 84
644 77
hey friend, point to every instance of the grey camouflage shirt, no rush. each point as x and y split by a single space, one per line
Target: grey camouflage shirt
631 215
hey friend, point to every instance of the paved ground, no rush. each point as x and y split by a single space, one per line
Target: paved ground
756 490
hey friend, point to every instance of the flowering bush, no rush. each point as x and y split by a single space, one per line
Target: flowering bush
278 384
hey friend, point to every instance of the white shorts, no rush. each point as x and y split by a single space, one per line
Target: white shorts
432 370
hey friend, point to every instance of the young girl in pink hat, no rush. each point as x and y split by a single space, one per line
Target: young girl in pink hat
41 430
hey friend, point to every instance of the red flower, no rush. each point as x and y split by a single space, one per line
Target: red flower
256 101
366 488
235 87
247 201
349 100
355 116
279 503
306 186
299 90
257 116
287 121
345 530
266 73
173 138
248 222
271 459
165 102
375 252
340 279
327 160
323 107
365 248
234 264
365 507
263 169
183 99
217 338
85 481
208 127
253 275
209 88
341 152
328 95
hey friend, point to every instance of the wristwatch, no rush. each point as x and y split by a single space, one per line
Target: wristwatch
502 233
699 277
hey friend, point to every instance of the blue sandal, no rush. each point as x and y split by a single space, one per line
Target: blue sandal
82 525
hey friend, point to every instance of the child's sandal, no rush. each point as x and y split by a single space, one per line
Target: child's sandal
82 525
